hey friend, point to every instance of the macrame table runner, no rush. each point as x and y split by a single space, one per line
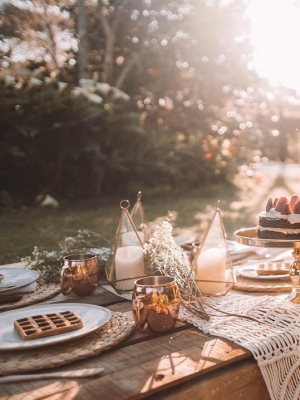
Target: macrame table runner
117 329
273 339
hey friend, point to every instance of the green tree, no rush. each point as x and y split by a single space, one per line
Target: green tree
166 99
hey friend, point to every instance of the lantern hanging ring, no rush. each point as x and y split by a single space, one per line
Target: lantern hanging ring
124 204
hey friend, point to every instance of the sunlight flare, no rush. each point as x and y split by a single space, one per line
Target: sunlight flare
275 32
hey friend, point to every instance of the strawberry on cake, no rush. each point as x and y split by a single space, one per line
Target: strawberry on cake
281 220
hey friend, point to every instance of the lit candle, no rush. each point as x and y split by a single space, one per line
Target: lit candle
211 266
130 238
129 262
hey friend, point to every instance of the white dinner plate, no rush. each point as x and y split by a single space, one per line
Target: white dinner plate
93 318
249 271
16 278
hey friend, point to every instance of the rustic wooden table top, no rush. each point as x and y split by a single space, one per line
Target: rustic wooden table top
181 364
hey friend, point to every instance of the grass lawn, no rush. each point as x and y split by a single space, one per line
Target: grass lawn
22 229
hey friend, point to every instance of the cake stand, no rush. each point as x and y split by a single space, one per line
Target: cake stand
249 237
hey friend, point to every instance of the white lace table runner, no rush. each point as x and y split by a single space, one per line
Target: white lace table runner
273 337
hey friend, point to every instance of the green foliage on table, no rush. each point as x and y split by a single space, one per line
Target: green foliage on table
49 262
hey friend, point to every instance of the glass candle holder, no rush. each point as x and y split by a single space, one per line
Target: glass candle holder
211 262
129 261
79 275
155 303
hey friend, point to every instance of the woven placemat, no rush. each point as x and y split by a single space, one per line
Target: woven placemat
252 285
44 291
117 329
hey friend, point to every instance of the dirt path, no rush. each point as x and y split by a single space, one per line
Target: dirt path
271 180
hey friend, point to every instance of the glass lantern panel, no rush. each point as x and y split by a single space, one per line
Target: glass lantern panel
212 263
139 219
129 260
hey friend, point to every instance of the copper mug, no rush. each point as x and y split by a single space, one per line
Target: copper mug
155 303
79 275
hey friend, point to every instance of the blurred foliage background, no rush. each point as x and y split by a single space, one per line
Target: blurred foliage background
108 97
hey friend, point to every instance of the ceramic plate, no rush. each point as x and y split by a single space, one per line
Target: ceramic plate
249 271
93 318
16 278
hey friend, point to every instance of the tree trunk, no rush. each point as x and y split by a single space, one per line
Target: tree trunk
83 47
110 31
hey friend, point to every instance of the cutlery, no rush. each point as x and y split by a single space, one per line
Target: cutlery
80 373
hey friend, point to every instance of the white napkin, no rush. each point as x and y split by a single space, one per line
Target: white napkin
127 296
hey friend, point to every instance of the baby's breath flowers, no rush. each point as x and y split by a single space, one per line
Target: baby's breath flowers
169 259
49 263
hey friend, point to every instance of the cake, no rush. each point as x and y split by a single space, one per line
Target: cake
281 219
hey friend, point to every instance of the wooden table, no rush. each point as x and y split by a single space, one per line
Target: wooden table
181 364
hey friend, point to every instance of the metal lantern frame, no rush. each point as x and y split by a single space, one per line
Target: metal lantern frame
125 285
230 279
138 212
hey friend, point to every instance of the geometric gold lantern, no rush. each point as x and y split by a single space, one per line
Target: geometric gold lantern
212 264
139 218
129 261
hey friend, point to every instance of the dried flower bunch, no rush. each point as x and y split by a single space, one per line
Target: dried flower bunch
169 259
49 263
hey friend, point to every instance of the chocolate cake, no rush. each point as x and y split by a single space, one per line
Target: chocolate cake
281 220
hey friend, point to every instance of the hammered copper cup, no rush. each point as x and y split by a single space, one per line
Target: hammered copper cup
155 303
79 274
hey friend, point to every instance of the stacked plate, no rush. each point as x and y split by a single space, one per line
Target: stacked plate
265 271
16 282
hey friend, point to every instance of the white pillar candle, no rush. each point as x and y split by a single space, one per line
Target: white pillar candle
211 266
129 262
130 238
